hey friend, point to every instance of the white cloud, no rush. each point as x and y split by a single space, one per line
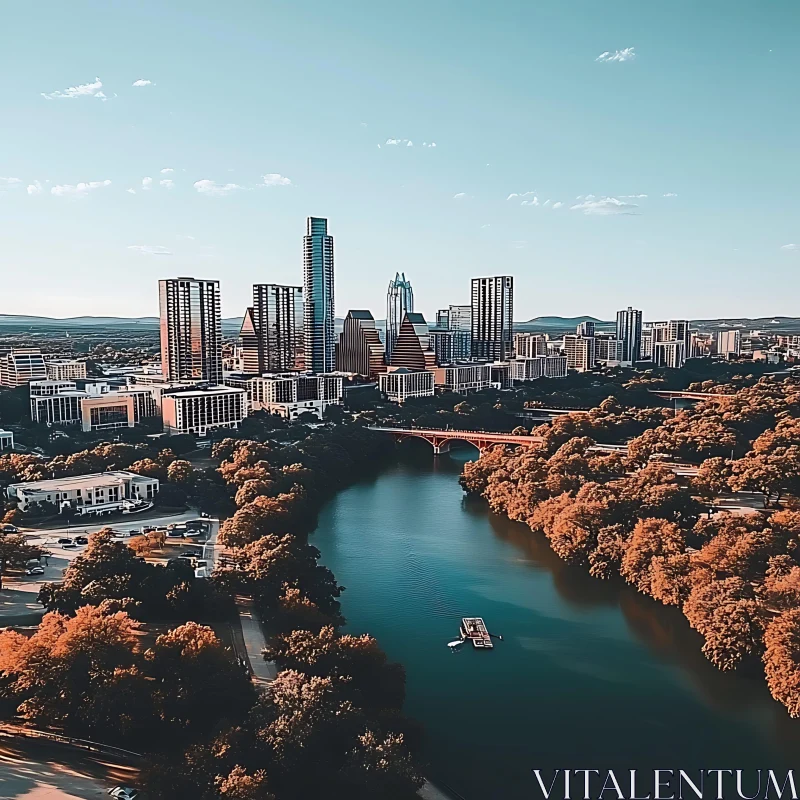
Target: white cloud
558 204
429 144
618 55
406 142
35 188
131 191
633 196
534 201
167 170
363 124
546 203
791 246
150 249
487 225
79 189
167 183
604 206
460 196
519 244
143 82
519 194
83 90
409 143
147 183
274 179
669 194
207 186
6 183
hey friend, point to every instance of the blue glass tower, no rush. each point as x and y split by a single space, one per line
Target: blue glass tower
318 296
399 302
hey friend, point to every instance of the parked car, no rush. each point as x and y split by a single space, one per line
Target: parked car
9 529
81 540
148 529
34 571
68 544
64 540
124 792
175 534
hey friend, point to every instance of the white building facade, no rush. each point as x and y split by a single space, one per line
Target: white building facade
203 409
402 384
291 394
462 378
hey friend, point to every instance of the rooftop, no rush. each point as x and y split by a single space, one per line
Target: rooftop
77 481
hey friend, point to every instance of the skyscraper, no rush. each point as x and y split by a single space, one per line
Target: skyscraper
399 301
629 332
278 320
191 330
360 349
413 346
492 317
248 341
318 296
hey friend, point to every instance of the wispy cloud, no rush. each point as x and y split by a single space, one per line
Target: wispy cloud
274 179
519 194
534 201
429 144
83 90
150 249
143 82
633 196
791 246
78 189
461 196
131 191
34 188
167 183
557 204
604 206
10 183
167 170
608 57
406 142
519 244
147 183
207 186
669 194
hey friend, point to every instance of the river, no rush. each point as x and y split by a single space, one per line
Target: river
590 674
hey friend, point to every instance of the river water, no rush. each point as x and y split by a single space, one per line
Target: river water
590 674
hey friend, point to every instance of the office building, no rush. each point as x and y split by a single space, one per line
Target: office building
19 366
66 369
318 308
492 318
399 302
249 356
530 345
203 409
360 350
668 343
502 377
293 394
462 378
6 440
531 369
579 351
629 332
99 493
450 345
586 328
607 349
191 330
278 324
399 385
669 354
729 343
413 346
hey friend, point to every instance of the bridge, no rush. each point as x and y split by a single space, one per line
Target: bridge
672 395
483 440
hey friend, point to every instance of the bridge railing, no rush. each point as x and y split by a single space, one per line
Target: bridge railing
53 736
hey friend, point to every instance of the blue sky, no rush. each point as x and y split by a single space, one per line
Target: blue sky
694 105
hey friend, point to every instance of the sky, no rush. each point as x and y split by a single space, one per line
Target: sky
604 154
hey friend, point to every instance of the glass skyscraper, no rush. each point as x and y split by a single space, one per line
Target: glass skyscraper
399 302
492 318
629 332
191 330
318 296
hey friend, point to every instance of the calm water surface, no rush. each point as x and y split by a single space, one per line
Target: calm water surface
590 674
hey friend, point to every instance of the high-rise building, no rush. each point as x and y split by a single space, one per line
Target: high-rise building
412 349
248 342
318 296
460 318
671 354
729 343
607 349
492 317
586 328
530 345
360 349
629 332
191 330
21 365
450 345
669 343
579 351
399 302
443 318
278 321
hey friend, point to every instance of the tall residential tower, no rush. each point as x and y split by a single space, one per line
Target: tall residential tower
399 302
278 321
629 332
492 318
318 296
191 330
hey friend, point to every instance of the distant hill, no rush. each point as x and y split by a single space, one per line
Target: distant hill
555 324
22 322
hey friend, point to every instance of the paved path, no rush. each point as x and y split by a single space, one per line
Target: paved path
264 672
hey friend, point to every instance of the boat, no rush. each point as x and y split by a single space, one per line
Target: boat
455 644
474 629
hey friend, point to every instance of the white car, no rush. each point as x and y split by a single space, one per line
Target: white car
124 792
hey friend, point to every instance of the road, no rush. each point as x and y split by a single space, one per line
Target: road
18 598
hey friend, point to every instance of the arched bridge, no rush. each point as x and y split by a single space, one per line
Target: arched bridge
483 440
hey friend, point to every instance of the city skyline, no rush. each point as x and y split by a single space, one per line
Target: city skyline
583 153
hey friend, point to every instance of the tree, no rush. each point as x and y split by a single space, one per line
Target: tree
712 478
382 767
782 659
180 472
14 552
651 538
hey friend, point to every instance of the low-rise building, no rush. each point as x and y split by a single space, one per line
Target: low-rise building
729 343
501 374
579 351
531 369
65 369
608 349
6 440
100 493
401 384
291 394
19 366
462 378
669 354
201 409
530 345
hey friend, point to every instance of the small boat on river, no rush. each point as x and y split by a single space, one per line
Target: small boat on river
474 629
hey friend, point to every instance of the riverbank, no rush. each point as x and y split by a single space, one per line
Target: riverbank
590 673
